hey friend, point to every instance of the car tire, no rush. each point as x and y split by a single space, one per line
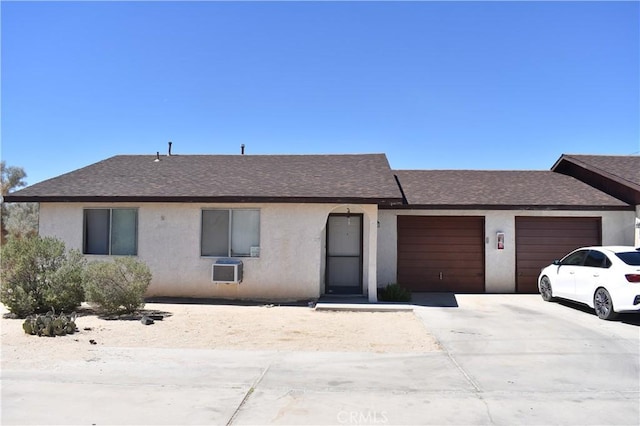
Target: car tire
603 305
545 289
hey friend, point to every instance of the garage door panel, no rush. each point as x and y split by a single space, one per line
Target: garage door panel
566 237
436 240
538 247
440 233
455 231
441 265
458 285
541 240
435 275
438 245
561 225
438 221
431 271
443 257
535 263
531 271
445 250
441 253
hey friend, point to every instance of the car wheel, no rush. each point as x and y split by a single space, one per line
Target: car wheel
603 305
545 289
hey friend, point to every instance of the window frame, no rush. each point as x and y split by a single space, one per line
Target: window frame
229 231
110 236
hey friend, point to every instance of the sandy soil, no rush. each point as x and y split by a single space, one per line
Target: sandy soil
224 327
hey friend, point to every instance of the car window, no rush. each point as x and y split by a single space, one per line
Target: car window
576 258
630 257
597 259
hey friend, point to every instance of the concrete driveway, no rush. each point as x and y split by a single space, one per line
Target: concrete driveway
506 359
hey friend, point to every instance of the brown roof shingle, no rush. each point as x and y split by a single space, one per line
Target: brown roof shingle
500 190
311 178
618 175
624 167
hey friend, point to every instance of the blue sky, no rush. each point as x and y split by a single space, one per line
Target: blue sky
434 85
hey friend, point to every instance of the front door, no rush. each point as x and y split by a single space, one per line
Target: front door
344 254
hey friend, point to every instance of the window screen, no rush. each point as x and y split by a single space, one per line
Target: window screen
110 231
229 232
245 231
215 233
123 231
96 231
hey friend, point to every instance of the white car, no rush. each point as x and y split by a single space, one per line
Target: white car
606 279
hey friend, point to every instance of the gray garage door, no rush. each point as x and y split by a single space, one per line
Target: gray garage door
540 240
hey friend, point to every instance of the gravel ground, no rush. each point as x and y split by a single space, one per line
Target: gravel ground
278 328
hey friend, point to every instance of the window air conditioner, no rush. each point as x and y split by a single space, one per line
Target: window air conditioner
228 271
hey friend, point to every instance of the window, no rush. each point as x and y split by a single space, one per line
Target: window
575 259
630 258
231 232
111 231
597 259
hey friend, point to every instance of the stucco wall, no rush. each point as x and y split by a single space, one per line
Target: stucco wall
500 265
292 247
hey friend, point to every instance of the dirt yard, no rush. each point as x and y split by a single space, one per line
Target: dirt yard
278 328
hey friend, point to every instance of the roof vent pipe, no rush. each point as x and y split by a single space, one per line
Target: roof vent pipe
242 149
157 157
169 149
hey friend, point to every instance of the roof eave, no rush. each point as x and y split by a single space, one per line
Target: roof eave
543 207
598 178
198 199
594 169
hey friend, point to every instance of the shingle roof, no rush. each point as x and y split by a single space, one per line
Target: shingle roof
622 168
617 175
310 178
500 189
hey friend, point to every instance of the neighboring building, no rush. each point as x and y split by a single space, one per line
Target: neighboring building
303 225
617 175
445 237
309 225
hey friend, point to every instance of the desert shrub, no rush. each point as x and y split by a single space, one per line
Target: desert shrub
395 293
38 274
50 324
118 286
21 219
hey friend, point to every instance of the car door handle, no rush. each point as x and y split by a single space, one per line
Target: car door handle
571 273
596 275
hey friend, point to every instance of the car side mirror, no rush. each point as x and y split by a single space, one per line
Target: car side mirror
557 262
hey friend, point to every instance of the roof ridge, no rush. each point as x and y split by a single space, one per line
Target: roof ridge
248 155
603 155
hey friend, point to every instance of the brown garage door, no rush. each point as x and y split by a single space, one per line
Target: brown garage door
540 240
441 253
